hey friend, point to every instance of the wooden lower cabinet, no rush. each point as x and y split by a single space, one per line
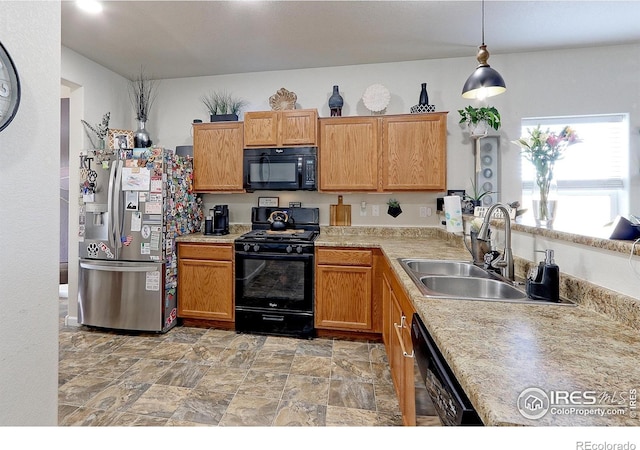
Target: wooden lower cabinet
344 284
206 281
397 315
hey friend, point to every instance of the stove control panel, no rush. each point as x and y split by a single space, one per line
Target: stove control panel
275 247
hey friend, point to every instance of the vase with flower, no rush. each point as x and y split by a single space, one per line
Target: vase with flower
543 149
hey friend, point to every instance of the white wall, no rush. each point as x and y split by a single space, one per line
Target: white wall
29 218
94 91
564 82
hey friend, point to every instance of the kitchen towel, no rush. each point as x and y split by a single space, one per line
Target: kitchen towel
453 213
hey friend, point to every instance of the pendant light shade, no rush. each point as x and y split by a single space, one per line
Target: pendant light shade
484 81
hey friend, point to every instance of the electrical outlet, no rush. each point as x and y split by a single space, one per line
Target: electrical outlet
375 210
423 211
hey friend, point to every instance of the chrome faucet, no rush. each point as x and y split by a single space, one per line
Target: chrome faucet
505 261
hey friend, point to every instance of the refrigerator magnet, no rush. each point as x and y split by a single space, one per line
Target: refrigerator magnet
131 200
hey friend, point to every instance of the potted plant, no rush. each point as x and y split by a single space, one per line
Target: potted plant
474 199
142 93
394 209
479 120
222 106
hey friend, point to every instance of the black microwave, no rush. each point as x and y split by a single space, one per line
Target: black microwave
280 169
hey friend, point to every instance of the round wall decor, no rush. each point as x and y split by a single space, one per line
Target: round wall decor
9 89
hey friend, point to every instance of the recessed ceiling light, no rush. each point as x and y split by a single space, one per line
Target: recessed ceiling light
90 6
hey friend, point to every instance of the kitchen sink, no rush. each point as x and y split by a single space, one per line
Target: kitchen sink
471 288
463 280
444 267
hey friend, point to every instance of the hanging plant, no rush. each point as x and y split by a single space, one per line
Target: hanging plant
475 117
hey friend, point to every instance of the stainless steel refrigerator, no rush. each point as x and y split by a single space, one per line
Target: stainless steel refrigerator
134 203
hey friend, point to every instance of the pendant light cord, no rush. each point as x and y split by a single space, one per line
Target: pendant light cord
482 22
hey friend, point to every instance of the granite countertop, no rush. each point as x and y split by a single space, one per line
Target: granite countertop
497 350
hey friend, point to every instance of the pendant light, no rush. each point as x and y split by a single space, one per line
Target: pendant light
484 81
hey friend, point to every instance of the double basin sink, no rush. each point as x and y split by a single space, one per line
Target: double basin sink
462 280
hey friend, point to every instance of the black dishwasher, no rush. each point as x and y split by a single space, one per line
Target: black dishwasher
450 402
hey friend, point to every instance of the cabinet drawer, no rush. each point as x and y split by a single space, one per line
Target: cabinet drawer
344 257
206 251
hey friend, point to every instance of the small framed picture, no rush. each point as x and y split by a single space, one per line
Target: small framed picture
268 201
295 204
119 139
459 192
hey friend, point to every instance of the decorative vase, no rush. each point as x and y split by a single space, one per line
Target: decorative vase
424 97
335 103
141 138
101 144
544 201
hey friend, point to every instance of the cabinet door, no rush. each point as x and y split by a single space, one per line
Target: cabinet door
298 127
397 339
343 297
261 129
414 152
348 154
205 289
217 157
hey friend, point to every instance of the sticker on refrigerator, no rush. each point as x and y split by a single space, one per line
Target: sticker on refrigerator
152 281
136 221
135 179
145 249
152 207
131 200
156 184
145 231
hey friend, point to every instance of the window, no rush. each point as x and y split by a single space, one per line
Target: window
592 176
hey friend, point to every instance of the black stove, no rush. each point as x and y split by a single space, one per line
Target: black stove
301 230
275 273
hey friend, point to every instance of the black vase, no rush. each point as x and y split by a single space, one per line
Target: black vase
424 97
335 102
141 138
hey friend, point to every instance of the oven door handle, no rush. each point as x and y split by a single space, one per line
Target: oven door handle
273 318
271 256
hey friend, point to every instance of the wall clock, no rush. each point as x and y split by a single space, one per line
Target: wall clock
9 89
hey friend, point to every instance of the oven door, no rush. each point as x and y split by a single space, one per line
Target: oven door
277 282
275 294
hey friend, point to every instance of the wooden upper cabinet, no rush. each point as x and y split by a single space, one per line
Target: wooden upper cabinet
390 153
414 152
348 154
217 157
288 128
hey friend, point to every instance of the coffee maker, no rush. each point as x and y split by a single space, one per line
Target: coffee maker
220 215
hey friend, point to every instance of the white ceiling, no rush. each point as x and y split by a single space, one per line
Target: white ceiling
175 39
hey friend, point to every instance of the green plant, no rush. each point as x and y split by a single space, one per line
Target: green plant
476 195
471 116
222 103
394 203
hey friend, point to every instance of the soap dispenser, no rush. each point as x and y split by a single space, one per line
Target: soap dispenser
543 282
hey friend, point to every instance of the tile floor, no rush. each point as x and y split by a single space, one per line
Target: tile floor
209 377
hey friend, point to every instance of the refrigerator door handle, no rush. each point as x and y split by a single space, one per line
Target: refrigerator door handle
119 268
112 223
117 213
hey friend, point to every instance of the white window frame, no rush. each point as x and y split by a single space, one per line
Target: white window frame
616 187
